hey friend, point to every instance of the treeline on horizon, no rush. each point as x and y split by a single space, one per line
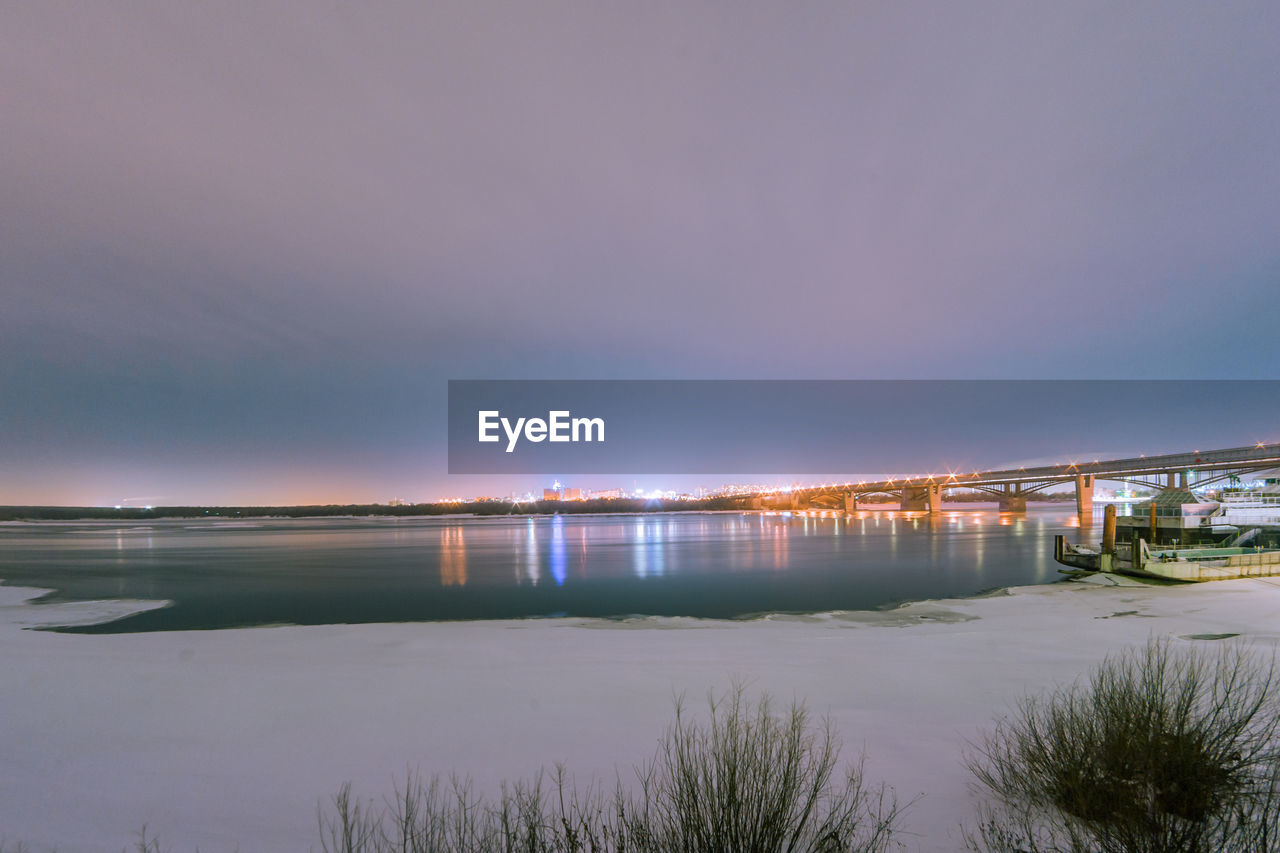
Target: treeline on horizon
67 513
486 507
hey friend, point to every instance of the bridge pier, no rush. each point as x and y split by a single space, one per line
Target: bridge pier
850 502
1011 498
1013 503
1084 497
757 502
798 502
922 498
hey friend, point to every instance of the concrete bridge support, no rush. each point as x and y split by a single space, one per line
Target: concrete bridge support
799 502
757 502
1013 502
1011 498
935 498
850 502
1084 497
927 498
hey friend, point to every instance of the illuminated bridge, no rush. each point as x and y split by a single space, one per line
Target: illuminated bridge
1011 486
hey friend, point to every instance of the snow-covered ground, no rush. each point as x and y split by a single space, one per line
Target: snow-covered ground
220 738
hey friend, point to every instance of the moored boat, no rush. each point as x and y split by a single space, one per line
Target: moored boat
1178 563
1240 554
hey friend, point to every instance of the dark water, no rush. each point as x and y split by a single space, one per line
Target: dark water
307 571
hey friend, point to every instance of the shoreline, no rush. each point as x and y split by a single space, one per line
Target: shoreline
214 738
139 514
49 616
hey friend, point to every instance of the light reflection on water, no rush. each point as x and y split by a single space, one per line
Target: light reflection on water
557 557
358 570
531 562
453 556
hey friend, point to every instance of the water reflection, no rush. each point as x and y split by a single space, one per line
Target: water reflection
708 564
781 554
648 555
980 547
558 557
453 557
532 567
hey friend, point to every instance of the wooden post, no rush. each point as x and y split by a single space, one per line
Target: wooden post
1109 529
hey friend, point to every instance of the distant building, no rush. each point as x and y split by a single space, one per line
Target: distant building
395 502
571 494
551 494
607 494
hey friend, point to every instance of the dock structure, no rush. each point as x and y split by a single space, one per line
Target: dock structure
1189 563
1010 487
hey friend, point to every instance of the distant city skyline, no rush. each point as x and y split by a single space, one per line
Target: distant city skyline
669 488
243 249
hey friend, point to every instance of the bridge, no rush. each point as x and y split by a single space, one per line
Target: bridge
1010 487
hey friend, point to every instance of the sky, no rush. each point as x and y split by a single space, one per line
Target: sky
243 247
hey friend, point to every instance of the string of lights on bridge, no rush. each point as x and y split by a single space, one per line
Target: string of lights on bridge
959 479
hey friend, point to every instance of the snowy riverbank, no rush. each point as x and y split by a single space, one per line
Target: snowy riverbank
225 737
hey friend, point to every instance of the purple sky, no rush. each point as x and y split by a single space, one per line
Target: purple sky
243 246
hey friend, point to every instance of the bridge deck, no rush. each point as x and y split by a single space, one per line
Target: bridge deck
1236 459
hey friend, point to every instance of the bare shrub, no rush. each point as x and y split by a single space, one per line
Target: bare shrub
426 816
1161 751
352 826
750 780
746 781
145 844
